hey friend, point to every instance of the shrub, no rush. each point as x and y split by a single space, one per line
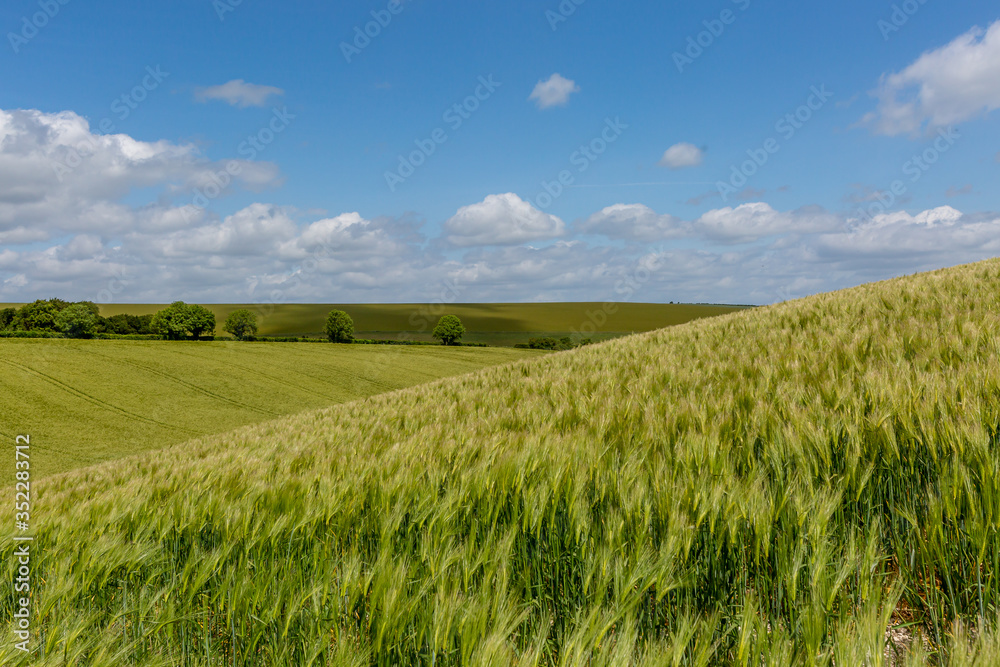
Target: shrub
124 324
549 343
543 343
339 327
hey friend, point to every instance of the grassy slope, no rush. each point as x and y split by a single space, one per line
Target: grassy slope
770 487
497 324
90 401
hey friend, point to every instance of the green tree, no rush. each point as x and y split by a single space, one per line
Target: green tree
449 330
173 322
543 343
339 327
180 319
120 324
101 324
202 321
241 323
38 315
143 324
77 321
129 324
7 316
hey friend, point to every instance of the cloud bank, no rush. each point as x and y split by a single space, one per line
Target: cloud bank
72 225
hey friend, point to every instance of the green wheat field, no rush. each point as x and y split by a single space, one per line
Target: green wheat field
811 483
88 401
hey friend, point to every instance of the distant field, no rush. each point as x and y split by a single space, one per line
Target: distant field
84 402
492 323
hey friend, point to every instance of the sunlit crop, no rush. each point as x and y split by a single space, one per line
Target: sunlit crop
779 486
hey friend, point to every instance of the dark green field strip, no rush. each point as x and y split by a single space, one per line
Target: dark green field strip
486 322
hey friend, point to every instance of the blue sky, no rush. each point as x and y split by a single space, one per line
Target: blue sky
310 215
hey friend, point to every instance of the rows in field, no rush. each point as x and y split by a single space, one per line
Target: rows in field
89 401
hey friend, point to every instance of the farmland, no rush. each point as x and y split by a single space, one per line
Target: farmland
90 401
776 486
495 324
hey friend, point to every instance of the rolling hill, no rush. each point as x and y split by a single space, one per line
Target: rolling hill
492 323
812 483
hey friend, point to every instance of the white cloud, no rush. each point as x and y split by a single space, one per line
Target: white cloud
949 85
907 243
56 177
634 222
935 217
238 93
553 92
69 227
503 219
263 254
682 155
251 232
349 236
749 222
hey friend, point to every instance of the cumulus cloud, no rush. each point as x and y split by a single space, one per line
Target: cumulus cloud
503 219
553 92
949 85
634 222
899 240
746 223
749 222
71 226
56 176
252 232
263 254
238 93
682 155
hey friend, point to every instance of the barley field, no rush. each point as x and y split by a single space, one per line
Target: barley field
812 483
88 401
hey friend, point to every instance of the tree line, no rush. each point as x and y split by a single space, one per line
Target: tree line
178 321
80 319
564 343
